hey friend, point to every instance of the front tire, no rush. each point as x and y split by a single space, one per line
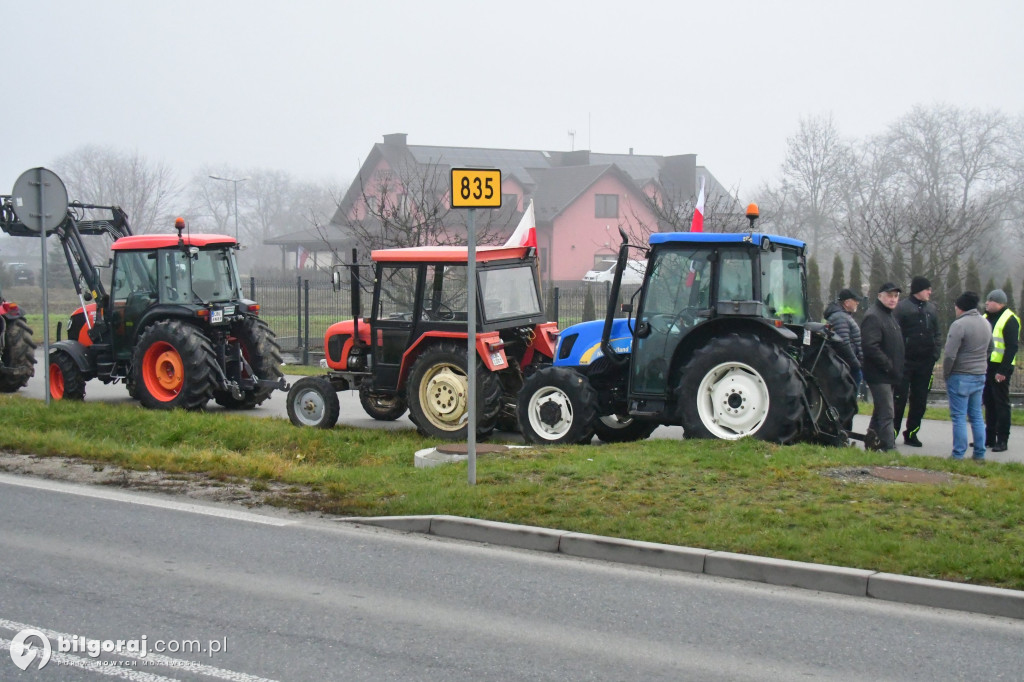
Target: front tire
260 349
438 394
382 407
66 379
557 405
174 366
312 401
739 385
18 357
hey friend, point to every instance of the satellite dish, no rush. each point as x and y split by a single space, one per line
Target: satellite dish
43 210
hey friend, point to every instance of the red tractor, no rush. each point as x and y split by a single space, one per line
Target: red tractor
411 352
175 326
17 351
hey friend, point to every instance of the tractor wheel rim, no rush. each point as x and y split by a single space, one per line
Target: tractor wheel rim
547 402
310 407
617 421
56 381
444 397
732 401
163 371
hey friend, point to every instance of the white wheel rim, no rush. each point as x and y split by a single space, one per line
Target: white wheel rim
732 401
550 399
310 407
444 397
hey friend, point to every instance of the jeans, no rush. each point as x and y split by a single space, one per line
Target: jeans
882 415
964 392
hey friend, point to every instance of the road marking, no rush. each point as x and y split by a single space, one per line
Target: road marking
130 498
93 665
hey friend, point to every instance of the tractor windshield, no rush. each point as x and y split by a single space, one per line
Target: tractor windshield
782 285
509 293
201 276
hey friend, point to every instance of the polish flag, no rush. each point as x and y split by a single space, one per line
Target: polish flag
526 232
698 211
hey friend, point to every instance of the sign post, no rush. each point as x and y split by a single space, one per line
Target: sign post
41 204
473 188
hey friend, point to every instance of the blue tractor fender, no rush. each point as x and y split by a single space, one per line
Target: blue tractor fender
580 344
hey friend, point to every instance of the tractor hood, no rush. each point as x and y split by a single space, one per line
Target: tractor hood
580 344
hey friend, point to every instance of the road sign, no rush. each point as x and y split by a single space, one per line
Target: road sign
476 188
40 200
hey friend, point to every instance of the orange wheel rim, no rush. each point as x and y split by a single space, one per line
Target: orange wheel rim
163 371
56 382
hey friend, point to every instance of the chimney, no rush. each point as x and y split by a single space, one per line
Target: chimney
395 139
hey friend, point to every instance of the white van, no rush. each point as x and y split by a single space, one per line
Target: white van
633 274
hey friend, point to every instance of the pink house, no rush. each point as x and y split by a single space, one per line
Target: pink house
581 199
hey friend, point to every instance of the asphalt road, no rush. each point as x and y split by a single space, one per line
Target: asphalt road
937 436
293 597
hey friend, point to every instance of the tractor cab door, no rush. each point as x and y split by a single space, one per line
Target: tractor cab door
393 321
677 297
134 291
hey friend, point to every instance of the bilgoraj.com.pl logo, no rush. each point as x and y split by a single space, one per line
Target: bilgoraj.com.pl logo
23 653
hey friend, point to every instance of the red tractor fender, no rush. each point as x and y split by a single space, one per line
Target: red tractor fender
489 347
545 339
83 331
10 310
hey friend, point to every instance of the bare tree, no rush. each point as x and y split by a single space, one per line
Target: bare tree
146 190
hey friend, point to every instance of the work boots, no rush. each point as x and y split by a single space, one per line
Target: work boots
911 439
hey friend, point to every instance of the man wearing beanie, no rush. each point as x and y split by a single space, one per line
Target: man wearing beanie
968 345
919 320
882 342
1005 333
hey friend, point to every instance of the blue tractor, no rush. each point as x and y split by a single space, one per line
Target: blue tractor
720 344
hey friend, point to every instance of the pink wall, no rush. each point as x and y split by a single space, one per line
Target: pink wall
578 235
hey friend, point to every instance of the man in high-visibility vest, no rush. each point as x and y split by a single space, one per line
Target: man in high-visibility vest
996 397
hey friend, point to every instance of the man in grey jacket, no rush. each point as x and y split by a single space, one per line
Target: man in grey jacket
968 346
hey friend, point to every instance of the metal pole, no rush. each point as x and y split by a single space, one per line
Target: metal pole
46 307
305 348
235 183
471 344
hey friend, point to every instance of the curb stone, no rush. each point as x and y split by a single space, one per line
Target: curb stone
992 601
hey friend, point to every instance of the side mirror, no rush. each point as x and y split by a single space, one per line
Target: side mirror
336 281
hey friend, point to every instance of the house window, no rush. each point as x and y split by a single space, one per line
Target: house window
606 205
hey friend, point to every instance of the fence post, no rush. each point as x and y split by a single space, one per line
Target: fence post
252 288
305 348
298 311
556 306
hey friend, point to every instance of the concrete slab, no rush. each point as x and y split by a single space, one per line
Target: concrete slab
652 554
410 524
838 579
497 533
947 595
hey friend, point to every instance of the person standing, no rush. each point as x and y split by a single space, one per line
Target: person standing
882 342
839 314
919 321
996 396
968 346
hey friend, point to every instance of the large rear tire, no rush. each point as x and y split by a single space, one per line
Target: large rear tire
615 428
312 401
382 407
438 394
261 350
66 379
557 405
18 357
740 385
174 366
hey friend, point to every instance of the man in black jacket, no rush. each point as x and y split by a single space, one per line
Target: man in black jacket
882 342
919 321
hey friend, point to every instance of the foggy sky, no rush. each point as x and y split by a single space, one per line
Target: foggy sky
308 87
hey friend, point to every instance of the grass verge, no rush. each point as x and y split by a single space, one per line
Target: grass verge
748 496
